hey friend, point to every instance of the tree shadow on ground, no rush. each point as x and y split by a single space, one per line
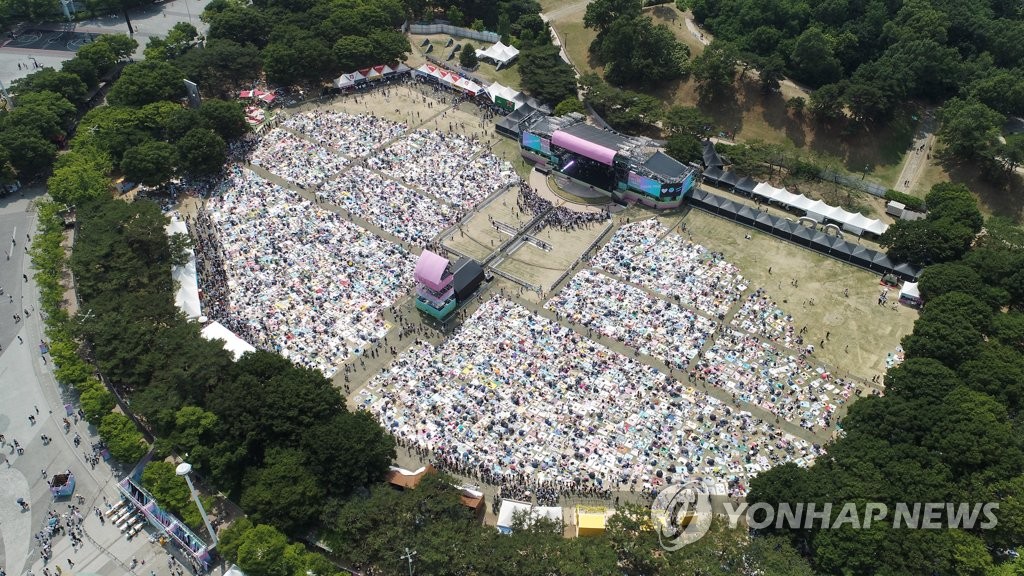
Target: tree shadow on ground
665 13
1002 193
775 113
724 109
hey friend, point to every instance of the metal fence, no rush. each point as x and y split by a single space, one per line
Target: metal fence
458 31
851 182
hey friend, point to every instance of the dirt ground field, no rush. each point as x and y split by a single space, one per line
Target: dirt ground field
870 331
477 238
542 268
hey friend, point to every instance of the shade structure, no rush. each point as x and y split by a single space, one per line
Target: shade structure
906 271
802 235
861 256
765 221
431 270
746 214
712 173
232 343
746 185
711 157
729 179
583 147
880 262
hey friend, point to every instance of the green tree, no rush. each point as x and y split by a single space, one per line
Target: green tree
66 84
353 52
969 129
201 151
687 120
570 105
455 16
261 552
684 147
601 14
827 102
240 24
715 69
145 82
76 183
123 439
812 60
467 58
99 55
545 76
284 493
179 40
84 70
46 112
220 65
225 117
150 163
96 402
121 45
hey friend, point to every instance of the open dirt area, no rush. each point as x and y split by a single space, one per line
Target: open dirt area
871 331
543 268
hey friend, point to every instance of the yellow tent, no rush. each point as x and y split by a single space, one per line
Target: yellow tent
590 520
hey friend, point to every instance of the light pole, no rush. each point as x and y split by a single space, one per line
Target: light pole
408 556
183 469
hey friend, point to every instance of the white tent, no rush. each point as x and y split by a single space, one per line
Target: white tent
186 297
232 343
819 211
510 508
498 53
496 91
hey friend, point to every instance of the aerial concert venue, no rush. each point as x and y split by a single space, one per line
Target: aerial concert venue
589 160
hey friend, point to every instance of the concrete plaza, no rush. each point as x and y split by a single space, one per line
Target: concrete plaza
28 387
148 21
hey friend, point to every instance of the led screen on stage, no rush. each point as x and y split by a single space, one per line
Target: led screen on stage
536 143
688 183
645 185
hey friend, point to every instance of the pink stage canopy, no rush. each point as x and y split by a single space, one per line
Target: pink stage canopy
583 147
430 270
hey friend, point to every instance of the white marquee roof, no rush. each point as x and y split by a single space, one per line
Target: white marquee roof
498 52
818 210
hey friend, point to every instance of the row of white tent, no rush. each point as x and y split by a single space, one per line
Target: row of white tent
186 298
368 75
448 78
820 211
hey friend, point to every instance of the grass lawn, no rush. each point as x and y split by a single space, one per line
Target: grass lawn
508 149
671 16
508 76
576 39
861 332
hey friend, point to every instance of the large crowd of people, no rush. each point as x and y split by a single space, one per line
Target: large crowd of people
354 135
557 216
298 279
790 386
512 398
672 266
409 215
513 395
297 159
652 326
761 315
452 167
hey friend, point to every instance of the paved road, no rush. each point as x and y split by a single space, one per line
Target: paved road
919 155
148 21
27 384
14 223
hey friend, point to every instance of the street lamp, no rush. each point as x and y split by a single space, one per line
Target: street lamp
183 469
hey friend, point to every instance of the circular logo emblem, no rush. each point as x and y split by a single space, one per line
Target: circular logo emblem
681 514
